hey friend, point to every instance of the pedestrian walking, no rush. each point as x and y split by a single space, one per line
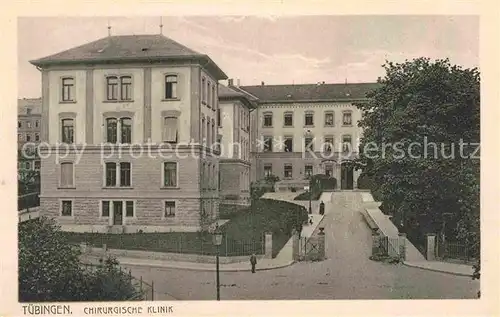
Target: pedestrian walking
322 208
253 262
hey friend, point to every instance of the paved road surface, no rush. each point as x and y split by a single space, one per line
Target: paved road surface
346 274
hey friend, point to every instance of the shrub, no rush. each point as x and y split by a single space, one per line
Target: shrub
259 188
366 182
227 211
50 269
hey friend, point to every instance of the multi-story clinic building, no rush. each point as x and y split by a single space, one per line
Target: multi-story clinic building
128 91
176 142
305 130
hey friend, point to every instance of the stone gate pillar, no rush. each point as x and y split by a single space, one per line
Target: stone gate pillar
295 245
268 246
402 246
321 244
431 247
375 242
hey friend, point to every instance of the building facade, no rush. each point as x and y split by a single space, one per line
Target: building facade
303 130
135 118
235 142
142 137
28 132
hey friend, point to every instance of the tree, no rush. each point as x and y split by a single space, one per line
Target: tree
420 130
50 269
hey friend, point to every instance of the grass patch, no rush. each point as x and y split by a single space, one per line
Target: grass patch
243 233
227 211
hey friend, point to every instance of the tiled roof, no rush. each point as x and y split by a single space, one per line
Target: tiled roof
310 92
35 104
227 92
128 48
230 92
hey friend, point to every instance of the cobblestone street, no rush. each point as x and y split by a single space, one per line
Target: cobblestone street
346 274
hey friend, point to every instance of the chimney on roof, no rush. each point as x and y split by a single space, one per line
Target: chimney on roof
109 28
262 83
161 25
230 82
238 82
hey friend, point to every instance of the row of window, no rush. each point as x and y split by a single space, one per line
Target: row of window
208 93
208 130
329 119
287 145
28 165
119 130
28 137
119 174
118 208
28 124
118 88
209 176
244 118
288 170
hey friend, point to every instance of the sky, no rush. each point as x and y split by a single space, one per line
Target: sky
275 50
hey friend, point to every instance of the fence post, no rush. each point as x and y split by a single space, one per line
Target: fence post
305 248
402 246
269 246
321 244
130 275
225 237
295 245
375 243
431 247
152 290
141 283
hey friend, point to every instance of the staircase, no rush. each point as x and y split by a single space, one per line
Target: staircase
347 199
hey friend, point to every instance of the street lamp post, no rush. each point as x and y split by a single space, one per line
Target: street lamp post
310 195
217 240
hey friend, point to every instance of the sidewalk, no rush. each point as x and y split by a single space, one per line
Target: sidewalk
443 267
263 264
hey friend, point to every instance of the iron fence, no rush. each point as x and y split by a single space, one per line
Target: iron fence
185 243
390 246
454 251
30 200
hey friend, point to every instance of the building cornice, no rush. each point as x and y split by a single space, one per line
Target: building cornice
265 102
309 104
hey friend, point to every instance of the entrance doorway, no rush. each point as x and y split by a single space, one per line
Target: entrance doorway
347 176
117 213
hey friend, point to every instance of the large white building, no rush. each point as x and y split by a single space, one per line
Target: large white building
158 109
305 130
132 93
